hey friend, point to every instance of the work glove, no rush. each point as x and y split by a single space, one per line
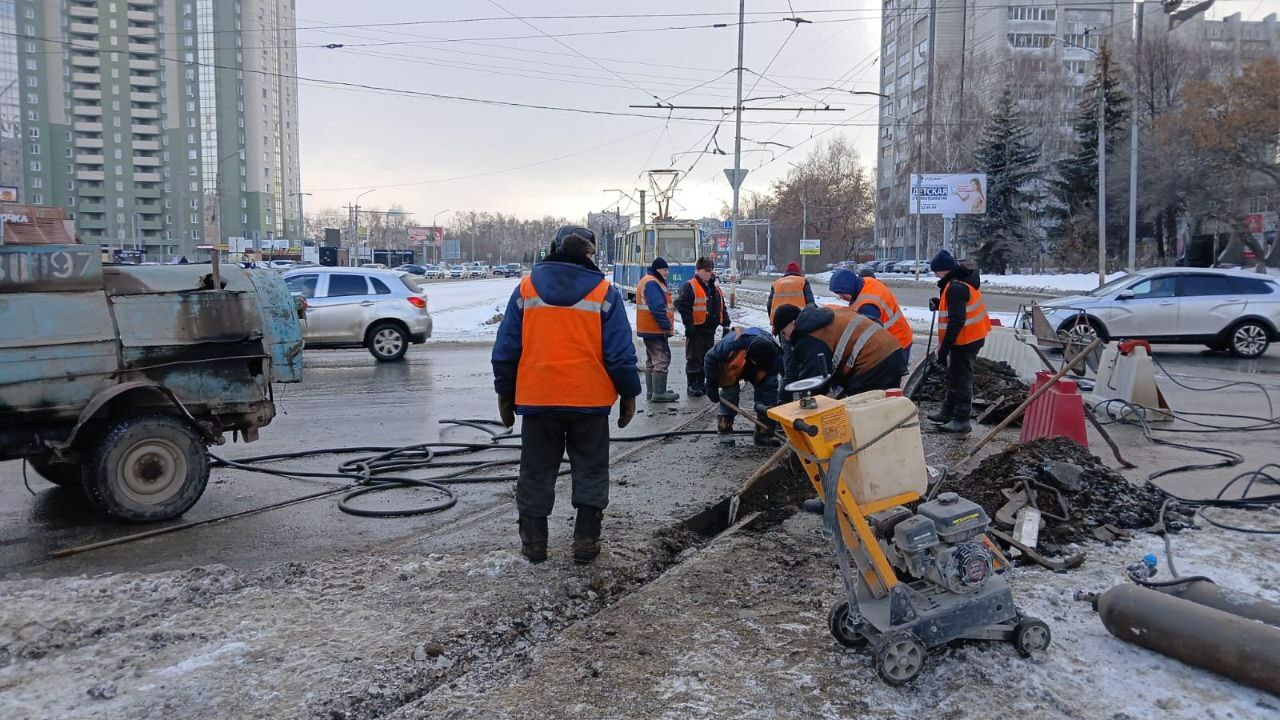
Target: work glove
507 410
724 331
940 357
626 411
713 394
933 304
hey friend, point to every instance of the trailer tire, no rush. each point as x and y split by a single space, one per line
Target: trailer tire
63 474
146 469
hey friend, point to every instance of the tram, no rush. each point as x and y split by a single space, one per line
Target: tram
677 241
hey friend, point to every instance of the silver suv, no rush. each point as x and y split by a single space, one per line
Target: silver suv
1224 309
382 310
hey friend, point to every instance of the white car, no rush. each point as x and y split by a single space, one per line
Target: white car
477 271
382 310
1223 309
281 265
433 272
457 272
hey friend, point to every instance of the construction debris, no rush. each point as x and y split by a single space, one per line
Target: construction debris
997 390
1079 497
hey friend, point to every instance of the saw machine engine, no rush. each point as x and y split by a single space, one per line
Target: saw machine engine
941 543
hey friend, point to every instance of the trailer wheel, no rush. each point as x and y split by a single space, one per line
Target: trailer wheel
1031 636
64 474
147 468
838 624
899 657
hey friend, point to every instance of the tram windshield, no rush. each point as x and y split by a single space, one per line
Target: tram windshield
679 246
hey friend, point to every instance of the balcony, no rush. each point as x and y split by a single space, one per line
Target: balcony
144 129
146 177
142 48
146 191
142 3
139 65
87 127
146 145
91 206
141 32
86 94
87 111
89 160
141 16
91 222
143 81
141 161
88 143
86 78
87 61
91 190
90 175
76 28
81 11
144 114
144 97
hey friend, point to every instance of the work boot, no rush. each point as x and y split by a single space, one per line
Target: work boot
956 426
766 439
660 392
940 416
586 534
648 385
696 388
533 538
724 425
814 505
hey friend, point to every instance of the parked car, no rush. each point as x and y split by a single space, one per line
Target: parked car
509 270
373 266
909 266
413 269
457 272
476 271
281 265
381 310
432 271
1223 309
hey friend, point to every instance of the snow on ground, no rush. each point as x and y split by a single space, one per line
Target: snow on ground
465 310
1043 283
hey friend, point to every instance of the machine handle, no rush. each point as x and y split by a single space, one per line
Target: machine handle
804 427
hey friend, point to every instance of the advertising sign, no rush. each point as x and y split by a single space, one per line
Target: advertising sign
964 194
8 193
439 231
811 246
420 234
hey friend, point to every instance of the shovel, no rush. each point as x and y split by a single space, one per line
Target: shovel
762 471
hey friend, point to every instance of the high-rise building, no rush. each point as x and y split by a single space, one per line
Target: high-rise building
161 125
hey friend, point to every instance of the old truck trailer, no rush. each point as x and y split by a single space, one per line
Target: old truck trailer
116 379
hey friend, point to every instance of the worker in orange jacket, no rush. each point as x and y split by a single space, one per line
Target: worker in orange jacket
790 289
963 326
868 296
655 323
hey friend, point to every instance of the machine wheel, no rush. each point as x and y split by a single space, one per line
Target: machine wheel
63 474
1031 636
387 342
837 623
1249 339
900 657
148 468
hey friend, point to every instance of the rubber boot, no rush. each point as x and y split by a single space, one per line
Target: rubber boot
956 426
724 425
533 538
766 439
660 392
814 505
648 385
586 534
697 388
940 416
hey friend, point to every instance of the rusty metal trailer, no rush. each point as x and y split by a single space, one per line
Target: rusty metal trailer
115 379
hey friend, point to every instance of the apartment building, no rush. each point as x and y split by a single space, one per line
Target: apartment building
162 125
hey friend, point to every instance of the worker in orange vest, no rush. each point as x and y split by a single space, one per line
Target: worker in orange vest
963 325
702 309
563 355
655 323
851 350
868 296
790 289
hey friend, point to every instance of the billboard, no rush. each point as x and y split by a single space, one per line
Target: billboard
810 246
956 194
8 193
420 234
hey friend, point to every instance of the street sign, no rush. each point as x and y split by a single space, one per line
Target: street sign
735 177
811 246
727 224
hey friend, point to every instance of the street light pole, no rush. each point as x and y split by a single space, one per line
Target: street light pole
737 161
1102 165
302 219
433 227
355 235
1133 147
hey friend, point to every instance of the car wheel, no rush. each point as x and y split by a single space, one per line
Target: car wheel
387 342
148 468
1082 331
1249 339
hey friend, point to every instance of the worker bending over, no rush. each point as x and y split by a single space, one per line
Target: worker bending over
851 350
963 326
563 355
868 296
790 289
748 354
655 322
702 309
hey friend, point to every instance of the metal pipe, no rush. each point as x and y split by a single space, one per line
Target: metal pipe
1232 646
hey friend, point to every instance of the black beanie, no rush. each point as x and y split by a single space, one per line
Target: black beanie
783 317
658 264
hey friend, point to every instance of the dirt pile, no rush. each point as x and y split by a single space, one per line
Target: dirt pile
994 383
1095 497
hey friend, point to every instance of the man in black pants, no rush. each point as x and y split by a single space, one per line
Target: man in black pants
963 326
702 309
563 356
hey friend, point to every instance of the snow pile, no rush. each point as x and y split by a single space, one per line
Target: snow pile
464 311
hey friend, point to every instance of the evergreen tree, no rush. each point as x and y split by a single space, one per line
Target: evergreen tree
1010 161
1075 187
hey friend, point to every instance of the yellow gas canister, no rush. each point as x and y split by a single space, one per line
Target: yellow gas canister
895 463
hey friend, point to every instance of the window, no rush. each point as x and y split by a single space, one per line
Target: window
37 199
37 182
1203 285
35 166
120 202
304 285
1029 40
31 64
1250 286
1032 13
33 115
1081 40
191 154
35 148
1161 287
379 287
32 82
34 133
119 154
344 285
70 152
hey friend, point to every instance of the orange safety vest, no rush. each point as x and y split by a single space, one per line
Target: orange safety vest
877 293
731 370
977 324
562 351
787 290
857 343
644 318
700 302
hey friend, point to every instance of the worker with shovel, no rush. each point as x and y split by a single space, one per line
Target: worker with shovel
563 356
868 296
744 354
851 350
963 325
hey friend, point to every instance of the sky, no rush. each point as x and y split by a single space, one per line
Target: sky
433 155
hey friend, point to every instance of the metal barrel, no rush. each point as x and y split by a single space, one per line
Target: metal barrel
1244 650
1250 607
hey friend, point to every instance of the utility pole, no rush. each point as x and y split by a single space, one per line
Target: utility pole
644 237
804 221
1133 147
737 178
1102 163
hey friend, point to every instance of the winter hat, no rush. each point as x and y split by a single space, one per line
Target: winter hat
705 263
658 264
783 317
867 272
943 262
563 243
845 282
793 267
